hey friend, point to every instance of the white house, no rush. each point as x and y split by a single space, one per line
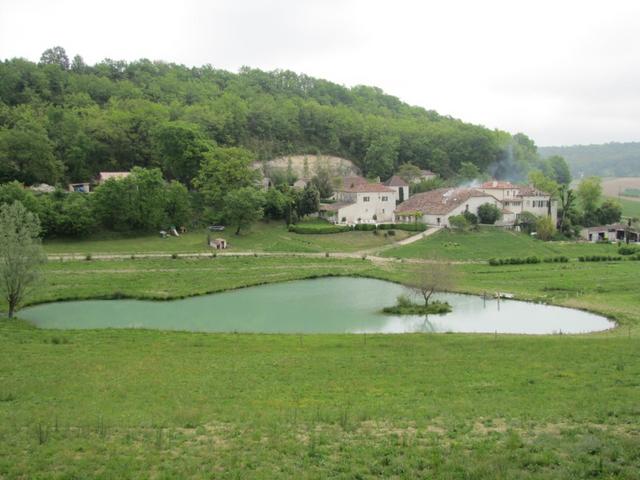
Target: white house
361 203
517 199
436 206
400 187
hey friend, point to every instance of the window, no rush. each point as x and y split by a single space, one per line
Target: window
385 199
438 220
383 210
366 199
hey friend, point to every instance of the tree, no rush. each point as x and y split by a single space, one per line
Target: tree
409 172
459 222
227 169
20 253
181 148
468 171
309 201
432 277
275 204
381 157
243 207
545 229
488 213
55 56
610 211
567 211
558 169
322 182
589 192
177 205
543 183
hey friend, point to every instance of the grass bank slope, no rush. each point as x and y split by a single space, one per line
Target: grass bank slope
489 243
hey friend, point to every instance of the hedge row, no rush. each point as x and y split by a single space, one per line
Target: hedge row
599 258
526 260
408 227
313 229
513 261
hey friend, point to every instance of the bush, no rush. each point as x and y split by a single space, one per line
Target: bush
600 258
628 250
488 213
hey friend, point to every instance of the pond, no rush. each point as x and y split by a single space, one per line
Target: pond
326 305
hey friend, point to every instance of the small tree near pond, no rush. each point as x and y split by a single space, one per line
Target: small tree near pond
20 253
432 277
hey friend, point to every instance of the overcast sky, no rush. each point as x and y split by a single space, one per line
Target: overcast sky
563 71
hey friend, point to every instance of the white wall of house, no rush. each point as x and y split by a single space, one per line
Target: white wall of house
365 207
400 197
471 205
501 193
540 206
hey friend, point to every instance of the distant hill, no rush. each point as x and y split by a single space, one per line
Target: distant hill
607 160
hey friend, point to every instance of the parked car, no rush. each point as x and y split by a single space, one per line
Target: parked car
216 228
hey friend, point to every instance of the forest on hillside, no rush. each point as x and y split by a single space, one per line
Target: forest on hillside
63 120
606 160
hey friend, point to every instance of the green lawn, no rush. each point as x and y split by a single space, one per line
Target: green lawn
148 404
630 208
493 243
265 237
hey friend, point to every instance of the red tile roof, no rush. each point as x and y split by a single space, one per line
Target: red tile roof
440 201
396 181
353 180
367 188
499 184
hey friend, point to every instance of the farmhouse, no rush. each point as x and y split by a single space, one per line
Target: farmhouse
616 232
516 199
437 206
400 187
361 203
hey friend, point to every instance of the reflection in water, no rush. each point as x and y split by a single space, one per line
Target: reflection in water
327 305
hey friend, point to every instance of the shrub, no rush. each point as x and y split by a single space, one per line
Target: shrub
628 250
488 213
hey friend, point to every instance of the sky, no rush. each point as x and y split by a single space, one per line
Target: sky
564 72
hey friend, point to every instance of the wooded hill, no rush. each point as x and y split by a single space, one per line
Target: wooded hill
65 120
606 160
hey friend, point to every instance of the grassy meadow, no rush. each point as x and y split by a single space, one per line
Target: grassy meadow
262 237
489 243
153 404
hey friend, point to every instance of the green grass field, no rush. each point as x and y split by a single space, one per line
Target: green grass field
147 404
493 243
630 208
262 237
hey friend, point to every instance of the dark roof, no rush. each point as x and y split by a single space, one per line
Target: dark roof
440 201
353 180
611 228
396 181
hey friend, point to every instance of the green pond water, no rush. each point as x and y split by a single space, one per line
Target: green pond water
327 305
